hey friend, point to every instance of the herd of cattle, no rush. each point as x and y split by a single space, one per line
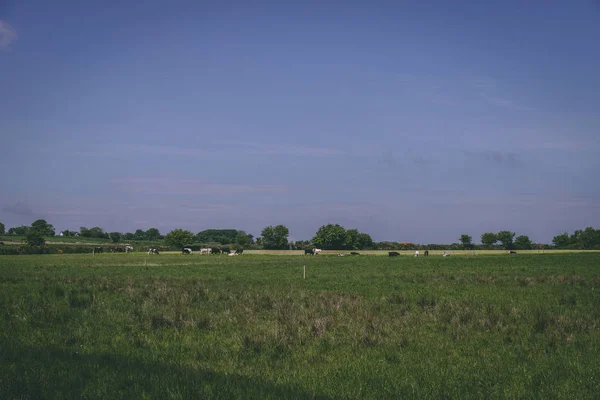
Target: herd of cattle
208 250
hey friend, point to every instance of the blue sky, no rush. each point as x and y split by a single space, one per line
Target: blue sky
411 121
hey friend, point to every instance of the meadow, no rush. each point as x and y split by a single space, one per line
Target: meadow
363 327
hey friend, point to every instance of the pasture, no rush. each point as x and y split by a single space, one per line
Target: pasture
363 327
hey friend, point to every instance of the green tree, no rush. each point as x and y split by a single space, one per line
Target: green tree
589 238
466 241
115 237
139 235
34 238
128 236
2 227
561 241
68 233
152 234
506 238
242 240
365 241
523 243
489 239
19 230
275 237
330 237
351 239
43 228
179 238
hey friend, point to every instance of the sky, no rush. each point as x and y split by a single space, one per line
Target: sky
410 121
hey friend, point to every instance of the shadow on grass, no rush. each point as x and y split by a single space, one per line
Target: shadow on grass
54 373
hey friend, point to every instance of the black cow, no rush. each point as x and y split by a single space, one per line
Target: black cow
153 251
426 253
311 252
353 253
512 252
98 250
240 251
393 254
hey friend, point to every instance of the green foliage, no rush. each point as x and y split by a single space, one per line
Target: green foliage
330 237
179 238
95 232
523 243
222 236
152 234
561 241
335 237
34 238
19 230
68 233
506 238
466 241
251 328
488 239
115 237
2 227
43 228
275 237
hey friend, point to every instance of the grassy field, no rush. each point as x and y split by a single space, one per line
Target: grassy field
172 326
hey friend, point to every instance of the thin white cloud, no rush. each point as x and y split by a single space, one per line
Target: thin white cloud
172 186
7 35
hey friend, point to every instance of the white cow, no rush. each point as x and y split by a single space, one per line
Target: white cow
317 251
206 251
186 250
128 249
417 253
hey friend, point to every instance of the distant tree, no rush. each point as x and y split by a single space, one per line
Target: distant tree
152 234
241 240
19 230
466 241
523 243
139 235
330 237
43 228
489 239
179 238
259 241
223 236
589 239
95 232
34 238
115 237
2 227
365 241
561 241
351 240
68 233
506 238
275 237
128 236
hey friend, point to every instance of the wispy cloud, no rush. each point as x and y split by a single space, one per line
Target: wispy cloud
7 35
172 186
220 149
20 208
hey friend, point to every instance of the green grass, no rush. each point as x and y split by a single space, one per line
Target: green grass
173 326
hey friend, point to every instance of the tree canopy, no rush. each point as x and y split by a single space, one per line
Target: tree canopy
179 238
275 237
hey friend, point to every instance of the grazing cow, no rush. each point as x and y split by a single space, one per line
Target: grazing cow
98 250
393 254
128 249
417 253
426 254
341 255
186 250
353 253
207 250
152 250
233 254
317 251
307 251
240 251
446 254
512 252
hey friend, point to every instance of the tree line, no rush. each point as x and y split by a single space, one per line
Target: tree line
327 237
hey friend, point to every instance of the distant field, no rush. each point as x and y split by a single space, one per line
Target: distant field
175 326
